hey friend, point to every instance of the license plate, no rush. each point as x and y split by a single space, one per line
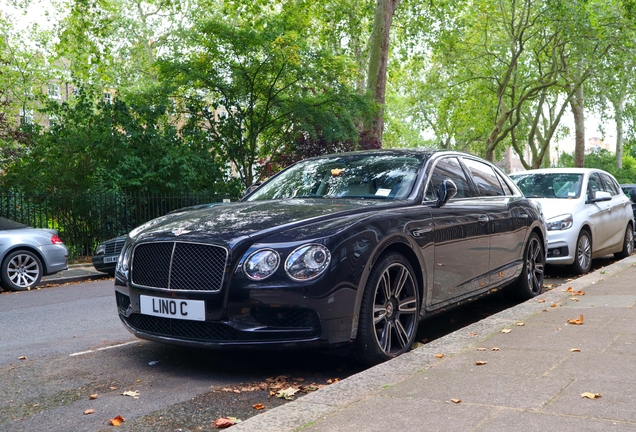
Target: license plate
111 259
193 310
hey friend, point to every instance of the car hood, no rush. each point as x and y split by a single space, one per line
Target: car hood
553 207
232 222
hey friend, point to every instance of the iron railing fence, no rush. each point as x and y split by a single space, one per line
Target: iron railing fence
84 220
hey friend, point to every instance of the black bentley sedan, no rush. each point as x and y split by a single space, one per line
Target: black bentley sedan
350 248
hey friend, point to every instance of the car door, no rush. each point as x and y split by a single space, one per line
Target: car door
507 225
460 233
599 214
619 208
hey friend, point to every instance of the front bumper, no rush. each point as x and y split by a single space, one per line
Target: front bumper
266 323
561 247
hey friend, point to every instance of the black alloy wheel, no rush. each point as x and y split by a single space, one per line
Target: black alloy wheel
21 270
530 283
628 243
389 312
583 253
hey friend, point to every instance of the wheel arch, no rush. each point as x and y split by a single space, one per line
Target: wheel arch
28 248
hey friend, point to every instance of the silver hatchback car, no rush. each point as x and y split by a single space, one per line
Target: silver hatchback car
587 214
27 254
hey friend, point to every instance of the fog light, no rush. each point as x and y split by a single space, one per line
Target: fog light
556 252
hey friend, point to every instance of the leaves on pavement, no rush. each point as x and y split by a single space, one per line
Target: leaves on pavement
541 301
132 393
576 321
506 330
258 406
288 393
89 411
456 401
92 397
575 350
572 292
588 395
223 422
439 355
117 420
481 362
520 324
22 358
495 349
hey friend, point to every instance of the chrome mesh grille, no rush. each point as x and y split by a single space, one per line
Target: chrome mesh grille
179 266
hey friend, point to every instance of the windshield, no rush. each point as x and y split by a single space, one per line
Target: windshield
552 185
350 176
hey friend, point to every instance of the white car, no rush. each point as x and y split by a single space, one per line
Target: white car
587 214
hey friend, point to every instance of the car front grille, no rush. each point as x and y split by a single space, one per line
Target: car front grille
123 301
202 331
114 247
179 266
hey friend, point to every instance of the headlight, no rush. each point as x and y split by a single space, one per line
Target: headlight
101 249
560 223
261 264
307 262
124 260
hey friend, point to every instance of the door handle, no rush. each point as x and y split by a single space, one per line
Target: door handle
483 219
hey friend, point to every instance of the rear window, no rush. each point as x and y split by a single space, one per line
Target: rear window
8 224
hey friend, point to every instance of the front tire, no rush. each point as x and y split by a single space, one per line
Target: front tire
21 270
583 253
628 243
530 282
389 312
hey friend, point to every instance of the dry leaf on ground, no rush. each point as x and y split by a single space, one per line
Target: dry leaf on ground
223 422
258 406
588 395
89 411
575 350
287 394
506 330
541 301
520 324
456 401
22 358
132 393
495 349
117 420
576 321
333 380
92 397
481 362
439 355
481 349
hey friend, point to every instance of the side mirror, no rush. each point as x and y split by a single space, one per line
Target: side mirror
600 196
447 190
251 189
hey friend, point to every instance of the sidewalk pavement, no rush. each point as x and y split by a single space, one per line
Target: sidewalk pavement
75 273
537 367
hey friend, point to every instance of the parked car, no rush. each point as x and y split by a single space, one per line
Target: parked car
107 253
587 214
630 191
27 254
333 250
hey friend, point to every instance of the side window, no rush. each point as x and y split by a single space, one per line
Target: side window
448 168
506 186
610 185
594 185
485 178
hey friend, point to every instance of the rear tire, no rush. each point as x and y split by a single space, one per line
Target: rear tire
20 270
583 253
628 243
389 313
530 282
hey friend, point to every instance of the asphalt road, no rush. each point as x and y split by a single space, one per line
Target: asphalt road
74 346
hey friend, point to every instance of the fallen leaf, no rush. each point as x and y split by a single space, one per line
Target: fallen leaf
89 411
22 358
92 397
288 393
333 380
558 328
541 301
588 395
495 349
481 349
456 401
500 274
481 362
133 394
520 324
576 321
258 406
506 330
439 355
553 305
117 420
571 291
440 264
575 350
574 298
223 422
472 334
111 388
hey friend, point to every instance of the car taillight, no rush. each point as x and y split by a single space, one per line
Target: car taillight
55 239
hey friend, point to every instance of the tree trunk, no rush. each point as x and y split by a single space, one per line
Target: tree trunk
618 117
576 103
378 62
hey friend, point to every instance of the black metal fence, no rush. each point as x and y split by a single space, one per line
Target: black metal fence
85 220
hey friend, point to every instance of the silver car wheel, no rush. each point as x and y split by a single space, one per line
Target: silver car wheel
535 266
22 270
629 240
395 309
584 252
